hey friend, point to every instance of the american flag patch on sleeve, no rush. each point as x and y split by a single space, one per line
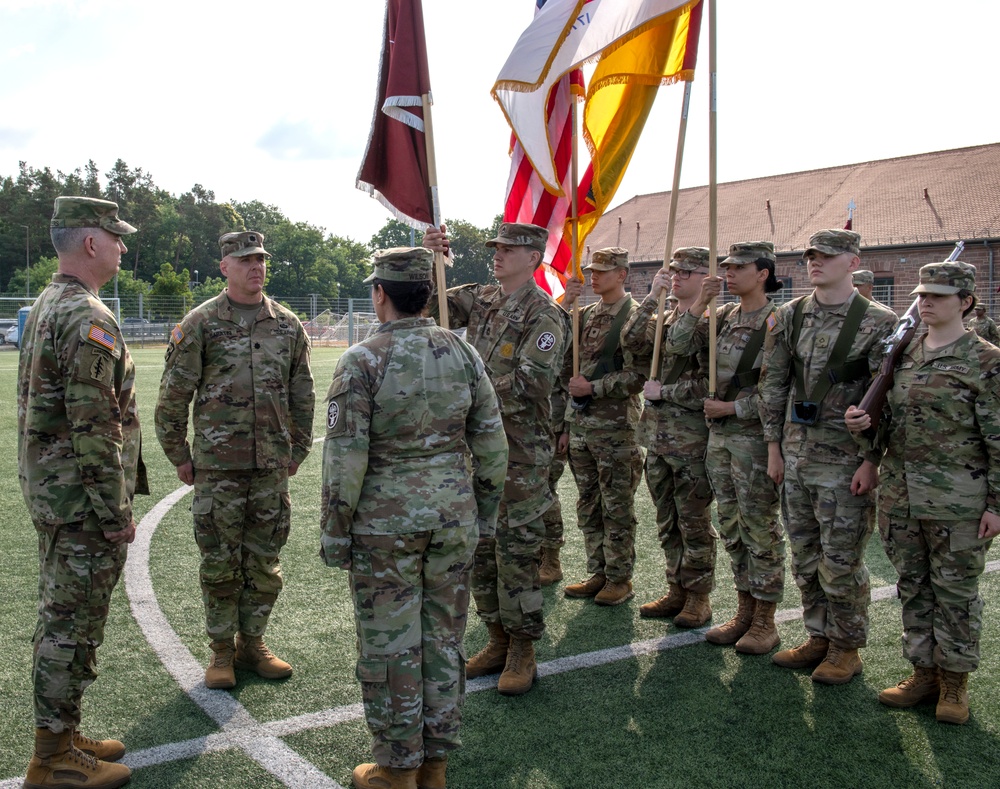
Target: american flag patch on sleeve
771 322
176 334
101 337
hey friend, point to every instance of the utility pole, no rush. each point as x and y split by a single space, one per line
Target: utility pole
27 264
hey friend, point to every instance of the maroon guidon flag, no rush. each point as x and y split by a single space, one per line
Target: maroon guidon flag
394 170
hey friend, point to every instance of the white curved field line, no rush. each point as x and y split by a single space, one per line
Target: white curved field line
261 741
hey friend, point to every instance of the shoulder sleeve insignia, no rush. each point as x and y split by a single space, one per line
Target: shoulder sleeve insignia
546 341
101 337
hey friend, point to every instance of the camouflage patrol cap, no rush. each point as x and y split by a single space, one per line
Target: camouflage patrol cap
835 242
514 234
863 277
749 252
689 258
242 244
402 264
89 212
980 307
608 259
946 278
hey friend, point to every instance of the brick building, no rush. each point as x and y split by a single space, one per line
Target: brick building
909 211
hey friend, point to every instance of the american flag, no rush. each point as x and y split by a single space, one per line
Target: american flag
528 200
101 337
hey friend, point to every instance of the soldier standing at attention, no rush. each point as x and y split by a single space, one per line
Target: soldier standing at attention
864 281
79 465
673 427
747 499
244 360
602 419
550 570
520 333
819 357
984 326
403 511
939 497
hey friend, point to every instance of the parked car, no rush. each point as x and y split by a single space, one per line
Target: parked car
5 324
12 335
134 321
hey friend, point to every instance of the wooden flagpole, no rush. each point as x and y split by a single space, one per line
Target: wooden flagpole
432 182
575 229
671 224
712 190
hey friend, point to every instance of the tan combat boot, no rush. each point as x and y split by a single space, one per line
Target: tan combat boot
492 657
550 570
56 764
520 672
806 655
105 750
839 666
252 654
587 588
669 605
372 776
696 612
220 674
921 685
431 774
614 593
762 636
953 703
733 630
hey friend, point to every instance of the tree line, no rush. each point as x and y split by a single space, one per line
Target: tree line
176 251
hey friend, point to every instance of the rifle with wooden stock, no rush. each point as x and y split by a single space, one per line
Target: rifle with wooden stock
893 348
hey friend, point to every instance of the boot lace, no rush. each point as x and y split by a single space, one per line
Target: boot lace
835 655
951 690
85 760
223 658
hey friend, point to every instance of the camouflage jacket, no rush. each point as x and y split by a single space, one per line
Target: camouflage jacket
615 404
251 385
674 426
78 441
827 441
521 338
414 438
943 457
733 330
985 328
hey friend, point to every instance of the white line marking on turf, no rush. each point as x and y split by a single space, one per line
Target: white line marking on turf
260 740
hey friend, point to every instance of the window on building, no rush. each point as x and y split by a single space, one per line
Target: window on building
883 290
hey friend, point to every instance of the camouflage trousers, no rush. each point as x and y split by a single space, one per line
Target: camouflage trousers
77 572
939 564
828 530
241 523
411 605
607 469
552 518
505 582
747 501
682 496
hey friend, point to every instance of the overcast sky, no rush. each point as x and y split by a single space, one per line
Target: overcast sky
273 101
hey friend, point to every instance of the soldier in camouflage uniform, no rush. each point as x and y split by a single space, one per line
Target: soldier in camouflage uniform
602 418
244 360
78 448
403 511
520 333
746 498
864 281
676 436
550 570
984 326
808 381
939 497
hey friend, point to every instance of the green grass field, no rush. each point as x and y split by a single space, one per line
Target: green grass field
622 701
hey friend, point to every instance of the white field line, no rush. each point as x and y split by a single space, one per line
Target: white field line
260 741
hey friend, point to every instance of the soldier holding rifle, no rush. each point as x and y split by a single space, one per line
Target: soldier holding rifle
938 501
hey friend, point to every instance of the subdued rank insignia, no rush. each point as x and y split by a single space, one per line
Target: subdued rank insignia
101 337
546 341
